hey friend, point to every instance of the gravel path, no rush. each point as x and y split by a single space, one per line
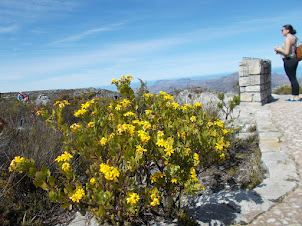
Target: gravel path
286 116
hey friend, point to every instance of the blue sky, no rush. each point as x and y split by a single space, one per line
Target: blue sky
57 44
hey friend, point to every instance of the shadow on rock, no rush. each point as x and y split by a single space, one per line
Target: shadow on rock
226 208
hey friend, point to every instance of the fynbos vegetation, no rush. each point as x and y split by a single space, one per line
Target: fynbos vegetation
126 160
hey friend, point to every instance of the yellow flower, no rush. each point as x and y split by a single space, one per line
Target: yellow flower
85 106
168 97
132 198
146 125
141 133
65 166
145 138
109 172
222 156
148 112
193 119
64 157
198 105
160 133
103 141
161 143
219 123
125 102
91 124
185 107
213 133
196 156
219 147
78 195
210 123
147 95
104 168
129 113
140 149
14 162
225 131
155 198
188 150
62 103
19 159
155 202
169 150
80 112
175 105
118 107
75 126
129 77
174 181
227 144
113 81
92 181
193 174
111 136
155 176
183 134
92 113
162 93
136 122
192 171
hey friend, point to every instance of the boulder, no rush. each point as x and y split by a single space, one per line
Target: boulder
42 99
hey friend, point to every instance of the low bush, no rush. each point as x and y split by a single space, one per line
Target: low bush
283 90
139 158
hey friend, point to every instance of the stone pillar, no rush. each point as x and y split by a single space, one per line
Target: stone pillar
255 80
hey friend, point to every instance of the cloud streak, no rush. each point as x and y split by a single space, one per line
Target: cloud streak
8 29
84 34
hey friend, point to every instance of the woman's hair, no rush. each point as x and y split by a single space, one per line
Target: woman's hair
290 28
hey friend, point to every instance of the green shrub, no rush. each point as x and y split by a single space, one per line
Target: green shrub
283 90
227 107
137 161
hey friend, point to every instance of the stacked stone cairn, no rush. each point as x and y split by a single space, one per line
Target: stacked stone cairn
255 81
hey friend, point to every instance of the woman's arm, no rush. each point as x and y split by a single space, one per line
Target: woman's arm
284 51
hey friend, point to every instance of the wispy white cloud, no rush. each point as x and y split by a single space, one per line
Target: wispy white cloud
15 12
111 55
84 34
8 29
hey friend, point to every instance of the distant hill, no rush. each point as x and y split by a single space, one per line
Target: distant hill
56 93
224 83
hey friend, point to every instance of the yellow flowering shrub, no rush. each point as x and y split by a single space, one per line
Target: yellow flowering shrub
138 159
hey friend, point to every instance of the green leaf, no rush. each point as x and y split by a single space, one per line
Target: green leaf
83 138
69 188
39 179
32 171
51 180
131 210
101 210
65 206
52 196
45 171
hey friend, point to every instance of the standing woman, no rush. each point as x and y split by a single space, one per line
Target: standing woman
288 53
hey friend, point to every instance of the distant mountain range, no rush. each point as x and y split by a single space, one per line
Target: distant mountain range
224 83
